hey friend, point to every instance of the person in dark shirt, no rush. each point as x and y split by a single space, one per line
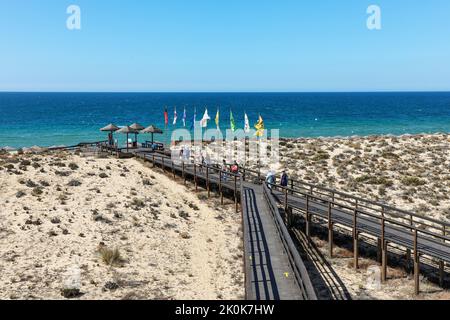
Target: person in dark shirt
284 179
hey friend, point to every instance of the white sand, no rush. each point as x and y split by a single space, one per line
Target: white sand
173 247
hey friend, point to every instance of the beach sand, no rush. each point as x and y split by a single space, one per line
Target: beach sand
63 216
62 213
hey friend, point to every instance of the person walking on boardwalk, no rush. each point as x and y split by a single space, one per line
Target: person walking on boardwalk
187 154
235 168
284 179
270 179
224 170
208 159
202 161
182 154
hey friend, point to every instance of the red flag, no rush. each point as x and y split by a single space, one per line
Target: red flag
166 117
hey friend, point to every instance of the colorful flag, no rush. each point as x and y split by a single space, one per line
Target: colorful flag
232 123
259 126
175 117
184 117
247 124
193 120
217 120
166 117
204 121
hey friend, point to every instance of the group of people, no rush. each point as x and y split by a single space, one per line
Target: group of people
227 170
271 179
234 169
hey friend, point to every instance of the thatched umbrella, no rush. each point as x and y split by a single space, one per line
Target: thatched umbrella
127 130
152 129
110 128
138 128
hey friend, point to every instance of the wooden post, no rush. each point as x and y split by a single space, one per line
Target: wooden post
441 263
163 166
383 252
289 218
235 194
355 240
308 219
153 157
184 173
292 186
285 199
408 260
207 182
195 177
416 265
330 232
173 171
379 250
220 187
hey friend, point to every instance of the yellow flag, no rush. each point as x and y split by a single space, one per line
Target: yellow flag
259 126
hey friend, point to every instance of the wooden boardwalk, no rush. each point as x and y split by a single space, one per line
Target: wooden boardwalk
270 273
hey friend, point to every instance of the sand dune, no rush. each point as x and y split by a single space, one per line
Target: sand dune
63 215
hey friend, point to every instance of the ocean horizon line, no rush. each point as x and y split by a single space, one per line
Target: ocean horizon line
229 92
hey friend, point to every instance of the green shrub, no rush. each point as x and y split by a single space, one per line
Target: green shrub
412 181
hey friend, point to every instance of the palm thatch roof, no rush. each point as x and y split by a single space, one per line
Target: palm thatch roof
127 130
110 127
137 126
152 129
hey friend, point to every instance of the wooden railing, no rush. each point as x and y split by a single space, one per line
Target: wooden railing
383 221
432 227
301 274
199 171
79 145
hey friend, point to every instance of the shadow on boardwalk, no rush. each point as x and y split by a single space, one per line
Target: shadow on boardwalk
264 283
326 281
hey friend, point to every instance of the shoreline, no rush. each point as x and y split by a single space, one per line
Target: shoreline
371 136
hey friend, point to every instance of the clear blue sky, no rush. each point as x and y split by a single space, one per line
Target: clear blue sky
224 45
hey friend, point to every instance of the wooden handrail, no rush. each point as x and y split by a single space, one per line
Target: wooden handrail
389 210
388 220
296 261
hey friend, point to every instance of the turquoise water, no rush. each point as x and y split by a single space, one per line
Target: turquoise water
48 119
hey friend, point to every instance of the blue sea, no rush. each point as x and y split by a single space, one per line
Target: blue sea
48 119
